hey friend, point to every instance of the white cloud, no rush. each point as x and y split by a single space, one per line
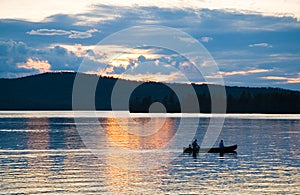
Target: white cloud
274 78
187 39
48 32
244 72
82 35
261 45
72 34
206 39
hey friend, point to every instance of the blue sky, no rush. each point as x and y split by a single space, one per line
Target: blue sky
253 44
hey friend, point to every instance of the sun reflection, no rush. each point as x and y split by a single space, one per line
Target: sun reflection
39 164
163 131
38 139
131 145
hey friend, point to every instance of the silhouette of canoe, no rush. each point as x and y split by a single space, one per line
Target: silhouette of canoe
227 149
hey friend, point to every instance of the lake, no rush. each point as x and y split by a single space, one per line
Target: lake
105 152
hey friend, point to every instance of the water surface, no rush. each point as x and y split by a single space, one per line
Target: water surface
42 152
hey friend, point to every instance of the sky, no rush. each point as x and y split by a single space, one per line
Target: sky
253 43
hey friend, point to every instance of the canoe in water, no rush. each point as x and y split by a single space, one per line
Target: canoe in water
227 149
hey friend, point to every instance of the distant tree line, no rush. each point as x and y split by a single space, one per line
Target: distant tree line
274 102
53 91
142 104
245 102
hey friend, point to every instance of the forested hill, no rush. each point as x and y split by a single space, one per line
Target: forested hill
53 91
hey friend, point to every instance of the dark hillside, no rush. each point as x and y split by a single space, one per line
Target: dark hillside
53 91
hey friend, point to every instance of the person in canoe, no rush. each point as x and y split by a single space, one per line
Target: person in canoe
195 145
221 144
188 150
195 148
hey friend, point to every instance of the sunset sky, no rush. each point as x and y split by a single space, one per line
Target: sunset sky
254 43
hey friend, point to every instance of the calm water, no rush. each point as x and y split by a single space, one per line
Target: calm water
43 152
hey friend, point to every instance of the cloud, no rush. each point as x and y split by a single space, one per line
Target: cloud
35 64
185 64
261 45
13 49
141 71
10 53
111 19
294 80
72 34
267 8
36 10
48 32
144 68
77 49
287 80
206 39
82 35
244 72
18 59
187 39
274 78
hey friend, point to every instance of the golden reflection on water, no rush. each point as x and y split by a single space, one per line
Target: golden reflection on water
38 139
133 150
163 130
39 164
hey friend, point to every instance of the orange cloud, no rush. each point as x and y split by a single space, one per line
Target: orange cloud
35 64
285 79
294 80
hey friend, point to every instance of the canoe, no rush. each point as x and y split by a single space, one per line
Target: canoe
227 149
